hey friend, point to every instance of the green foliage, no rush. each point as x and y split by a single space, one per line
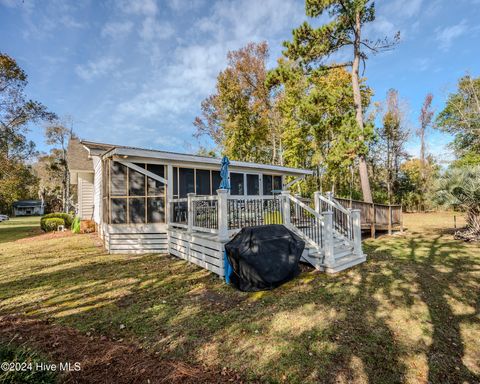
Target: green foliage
16 112
49 225
460 188
316 112
461 118
236 117
65 217
76 225
21 355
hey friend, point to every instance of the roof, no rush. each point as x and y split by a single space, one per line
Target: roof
78 157
109 150
27 203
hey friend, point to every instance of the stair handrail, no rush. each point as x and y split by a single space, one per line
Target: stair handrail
317 240
334 203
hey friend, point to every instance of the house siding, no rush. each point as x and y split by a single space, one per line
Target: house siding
85 196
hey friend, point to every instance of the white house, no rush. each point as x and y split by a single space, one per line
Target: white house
28 208
146 200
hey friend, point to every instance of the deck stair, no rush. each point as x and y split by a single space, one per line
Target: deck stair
332 233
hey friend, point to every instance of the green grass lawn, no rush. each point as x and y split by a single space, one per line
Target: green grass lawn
19 227
409 314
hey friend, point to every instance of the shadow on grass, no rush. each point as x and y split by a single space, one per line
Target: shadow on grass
315 328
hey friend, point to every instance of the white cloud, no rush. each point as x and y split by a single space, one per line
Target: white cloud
117 29
185 5
404 8
153 29
446 36
98 68
139 7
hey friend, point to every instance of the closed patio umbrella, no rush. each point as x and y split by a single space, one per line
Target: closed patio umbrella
225 183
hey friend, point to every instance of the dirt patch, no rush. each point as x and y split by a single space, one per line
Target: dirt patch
103 360
215 299
46 236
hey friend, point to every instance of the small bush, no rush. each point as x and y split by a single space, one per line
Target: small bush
76 225
68 219
52 224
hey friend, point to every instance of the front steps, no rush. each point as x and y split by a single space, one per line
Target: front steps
343 254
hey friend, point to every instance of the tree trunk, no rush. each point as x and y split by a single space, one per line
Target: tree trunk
357 98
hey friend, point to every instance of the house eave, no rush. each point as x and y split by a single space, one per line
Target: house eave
185 158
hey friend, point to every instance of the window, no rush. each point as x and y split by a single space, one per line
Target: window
175 182
155 187
136 182
131 197
186 181
253 185
277 183
203 182
216 181
267 184
119 211
136 210
156 209
118 178
271 183
236 184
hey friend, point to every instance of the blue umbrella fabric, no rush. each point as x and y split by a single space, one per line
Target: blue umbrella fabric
225 184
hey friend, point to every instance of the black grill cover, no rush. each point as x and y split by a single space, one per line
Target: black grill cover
264 257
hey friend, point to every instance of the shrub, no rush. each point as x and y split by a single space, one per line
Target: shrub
52 224
76 225
68 219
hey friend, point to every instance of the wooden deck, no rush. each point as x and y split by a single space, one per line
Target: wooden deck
373 217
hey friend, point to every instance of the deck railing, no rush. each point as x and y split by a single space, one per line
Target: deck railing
222 215
342 219
249 211
305 220
376 216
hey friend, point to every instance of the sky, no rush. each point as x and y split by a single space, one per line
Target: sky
135 72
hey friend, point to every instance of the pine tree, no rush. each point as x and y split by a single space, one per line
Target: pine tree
313 46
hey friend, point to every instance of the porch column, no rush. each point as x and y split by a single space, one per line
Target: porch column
286 208
222 214
190 212
316 201
328 239
329 197
169 207
357 232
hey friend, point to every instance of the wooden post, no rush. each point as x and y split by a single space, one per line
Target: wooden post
317 202
190 212
389 219
372 220
328 239
286 208
357 232
329 197
401 219
222 214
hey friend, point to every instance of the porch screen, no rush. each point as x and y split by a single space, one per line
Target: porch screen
271 183
236 183
199 181
133 197
253 185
